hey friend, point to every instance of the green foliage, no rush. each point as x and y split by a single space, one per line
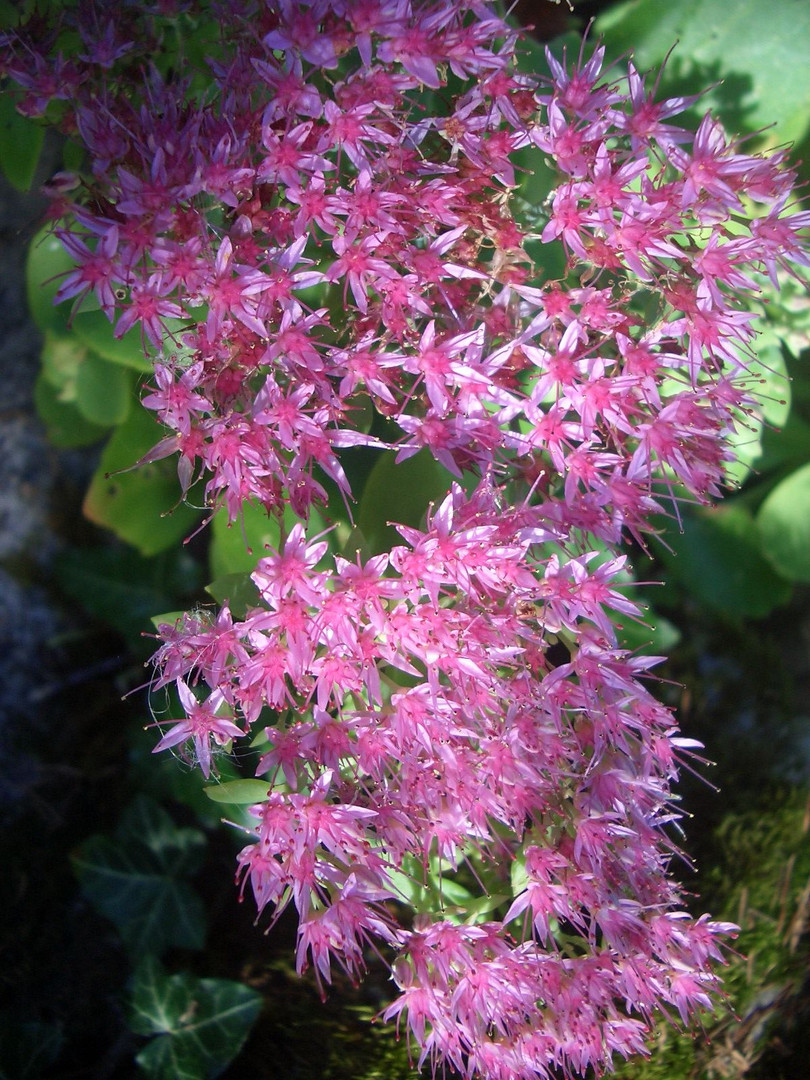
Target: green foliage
235 549
124 589
399 493
197 1025
94 329
20 145
65 425
140 505
26 1048
784 523
761 881
738 47
238 792
738 561
137 879
719 559
45 266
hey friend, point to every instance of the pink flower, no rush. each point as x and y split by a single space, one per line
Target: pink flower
202 724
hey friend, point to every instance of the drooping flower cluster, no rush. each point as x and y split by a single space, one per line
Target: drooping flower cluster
448 727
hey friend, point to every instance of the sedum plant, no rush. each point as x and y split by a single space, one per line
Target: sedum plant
450 399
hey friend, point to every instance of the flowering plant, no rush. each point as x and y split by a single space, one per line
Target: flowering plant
324 250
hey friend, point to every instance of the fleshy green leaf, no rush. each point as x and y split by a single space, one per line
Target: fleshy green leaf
654 638
769 384
62 356
235 590
141 505
66 425
104 391
124 589
733 47
719 558
136 880
198 1025
238 792
235 549
784 525
46 263
95 330
399 493
20 144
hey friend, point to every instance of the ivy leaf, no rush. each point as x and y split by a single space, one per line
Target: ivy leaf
136 879
27 1047
198 1025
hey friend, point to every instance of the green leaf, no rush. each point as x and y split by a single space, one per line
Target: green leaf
399 493
238 792
66 425
47 262
235 590
104 392
198 1025
719 559
789 446
62 356
141 505
235 549
124 589
784 525
734 48
95 330
20 144
136 880
769 383
654 638
27 1047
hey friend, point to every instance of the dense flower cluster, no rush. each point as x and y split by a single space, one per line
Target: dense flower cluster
332 225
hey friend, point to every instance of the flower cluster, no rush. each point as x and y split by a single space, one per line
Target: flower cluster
333 228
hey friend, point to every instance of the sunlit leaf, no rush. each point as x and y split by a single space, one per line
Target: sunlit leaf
719 559
399 493
141 505
753 55
784 525
238 792
236 548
